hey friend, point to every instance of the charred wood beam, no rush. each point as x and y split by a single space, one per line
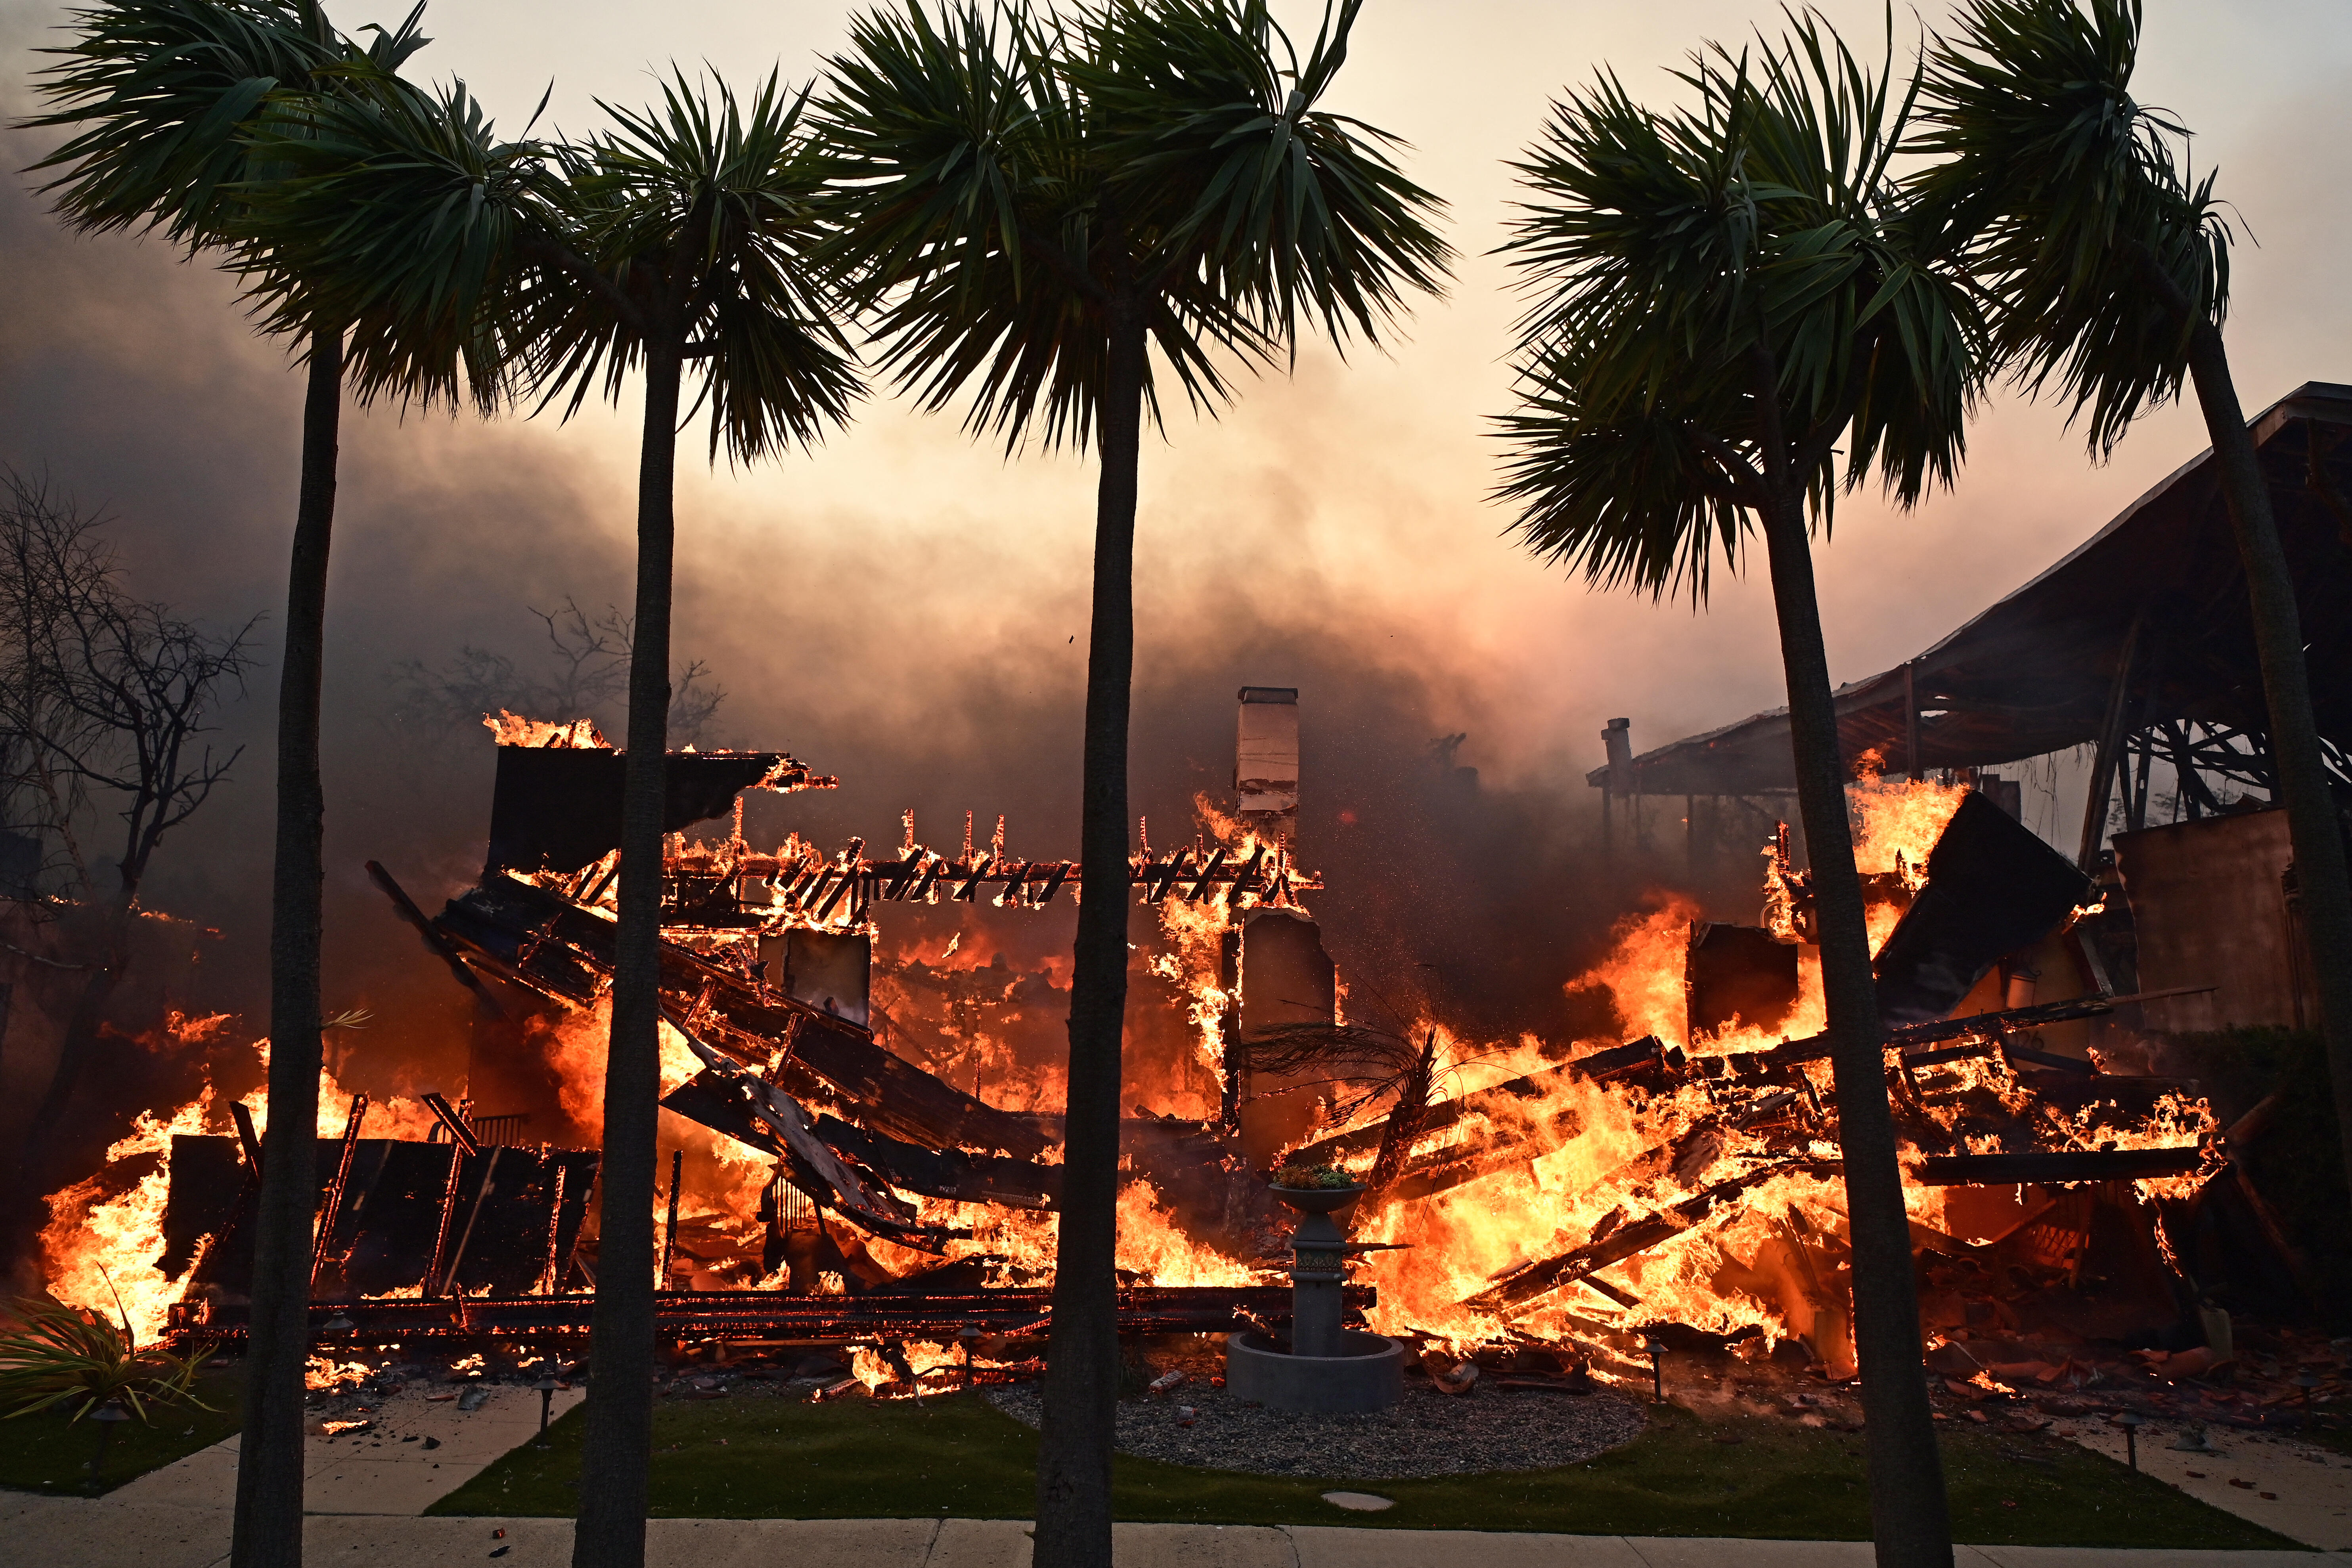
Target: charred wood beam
247 1140
1514 1289
459 1133
436 1269
405 908
331 1211
728 1099
2017 1051
2053 1169
566 952
945 1172
1645 1054
1455 1167
800 884
760 1315
1907 1037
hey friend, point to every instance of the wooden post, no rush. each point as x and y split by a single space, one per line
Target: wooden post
1229 1028
551 1277
432 1270
1911 721
333 1210
2103 765
670 1235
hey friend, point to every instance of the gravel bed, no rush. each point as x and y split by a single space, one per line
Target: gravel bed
1429 1434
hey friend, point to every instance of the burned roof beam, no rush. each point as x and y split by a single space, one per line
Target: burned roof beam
2056 1168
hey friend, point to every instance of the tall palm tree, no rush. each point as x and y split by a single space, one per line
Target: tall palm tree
1727 294
682 237
2110 264
1036 200
166 99
677 240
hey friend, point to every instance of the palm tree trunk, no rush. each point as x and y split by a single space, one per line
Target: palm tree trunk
2312 819
1081 1392
618 1446
1909 1517
268 1524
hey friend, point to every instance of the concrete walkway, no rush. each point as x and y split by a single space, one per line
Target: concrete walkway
2301 1491
365 1491
420 1449
74 1532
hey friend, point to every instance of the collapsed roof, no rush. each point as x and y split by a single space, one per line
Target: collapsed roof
2034 673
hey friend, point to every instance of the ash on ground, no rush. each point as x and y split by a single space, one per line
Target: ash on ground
1427 1433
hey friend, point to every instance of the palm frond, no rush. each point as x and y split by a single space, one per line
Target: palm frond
400 215
2074 203
720 202
1221 160
1013 177
159 95
1671 255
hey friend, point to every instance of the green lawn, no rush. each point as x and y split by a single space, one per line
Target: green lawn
760 1458
42 1453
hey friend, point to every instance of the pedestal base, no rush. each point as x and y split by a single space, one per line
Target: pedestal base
1369 1375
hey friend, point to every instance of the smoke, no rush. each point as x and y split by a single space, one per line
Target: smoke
931 654
907 608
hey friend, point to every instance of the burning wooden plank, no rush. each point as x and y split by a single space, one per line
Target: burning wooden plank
1517 1289
755 1315
731 1101
543 941
2053 1168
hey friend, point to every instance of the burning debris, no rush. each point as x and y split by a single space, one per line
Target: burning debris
1578 1197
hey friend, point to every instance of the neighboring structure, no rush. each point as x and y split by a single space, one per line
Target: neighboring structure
2139 643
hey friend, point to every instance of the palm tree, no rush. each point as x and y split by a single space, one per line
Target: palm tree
1036 201
680 237
2110 264
1727 294
165 99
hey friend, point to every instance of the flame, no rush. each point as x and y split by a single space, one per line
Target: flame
514 730
101 1248
324 1372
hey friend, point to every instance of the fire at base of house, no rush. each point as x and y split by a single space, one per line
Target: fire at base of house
1577 1194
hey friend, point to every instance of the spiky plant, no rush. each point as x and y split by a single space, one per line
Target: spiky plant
92 1366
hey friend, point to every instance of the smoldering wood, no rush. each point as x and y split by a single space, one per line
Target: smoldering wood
546 942
383 1235
1648 1057
1737 973
559 807
439 946
1530 1283
331 1208
2054 1168
756 1113
763 1315
1994 888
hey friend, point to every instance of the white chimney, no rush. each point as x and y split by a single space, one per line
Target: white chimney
1265 760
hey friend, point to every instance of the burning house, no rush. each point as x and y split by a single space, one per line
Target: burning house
864 1130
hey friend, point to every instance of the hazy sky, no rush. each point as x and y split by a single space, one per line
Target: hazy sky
903 589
